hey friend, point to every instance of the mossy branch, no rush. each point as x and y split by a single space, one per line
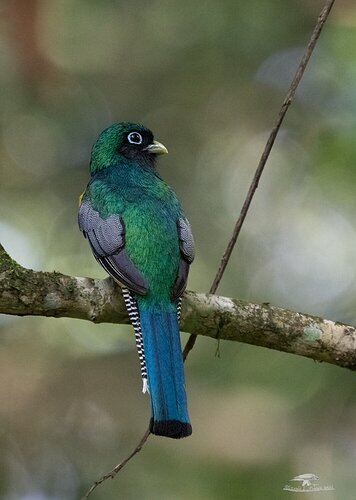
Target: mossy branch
27 292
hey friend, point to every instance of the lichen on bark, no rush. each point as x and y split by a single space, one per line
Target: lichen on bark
27 292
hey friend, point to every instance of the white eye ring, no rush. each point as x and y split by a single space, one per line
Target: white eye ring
135 138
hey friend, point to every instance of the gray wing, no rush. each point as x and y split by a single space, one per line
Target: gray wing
187 250
107 240
186 240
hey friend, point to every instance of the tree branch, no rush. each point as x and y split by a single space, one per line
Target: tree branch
26 292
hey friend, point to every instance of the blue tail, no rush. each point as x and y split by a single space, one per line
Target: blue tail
164 362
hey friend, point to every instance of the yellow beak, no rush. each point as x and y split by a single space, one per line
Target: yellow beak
157 148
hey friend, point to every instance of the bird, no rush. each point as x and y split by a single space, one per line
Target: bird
139 234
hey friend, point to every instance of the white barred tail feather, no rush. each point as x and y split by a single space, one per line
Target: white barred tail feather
132 311
158 345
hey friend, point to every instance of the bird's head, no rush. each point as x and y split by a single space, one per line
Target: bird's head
125 141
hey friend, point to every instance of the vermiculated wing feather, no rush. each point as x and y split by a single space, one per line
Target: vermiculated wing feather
186 245
122 269
107 241
186 241
181 281
106 236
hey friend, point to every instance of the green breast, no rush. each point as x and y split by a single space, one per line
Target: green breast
152 244
150 210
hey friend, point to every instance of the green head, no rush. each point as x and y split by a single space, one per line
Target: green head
125 141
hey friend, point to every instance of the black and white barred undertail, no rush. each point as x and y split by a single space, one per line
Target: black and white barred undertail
179 308
132 311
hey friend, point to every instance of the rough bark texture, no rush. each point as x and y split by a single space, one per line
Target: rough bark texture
26 292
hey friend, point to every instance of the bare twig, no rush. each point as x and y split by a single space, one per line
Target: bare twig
111 474
266 152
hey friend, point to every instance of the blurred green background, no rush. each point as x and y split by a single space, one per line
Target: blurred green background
208 78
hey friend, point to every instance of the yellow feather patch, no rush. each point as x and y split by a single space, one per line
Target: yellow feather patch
81 197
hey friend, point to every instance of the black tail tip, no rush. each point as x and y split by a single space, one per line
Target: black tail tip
170 428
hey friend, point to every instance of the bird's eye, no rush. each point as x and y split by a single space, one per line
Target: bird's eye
134 138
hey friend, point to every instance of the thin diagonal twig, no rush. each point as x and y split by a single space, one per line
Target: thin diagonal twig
111 474
254 184
266 152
